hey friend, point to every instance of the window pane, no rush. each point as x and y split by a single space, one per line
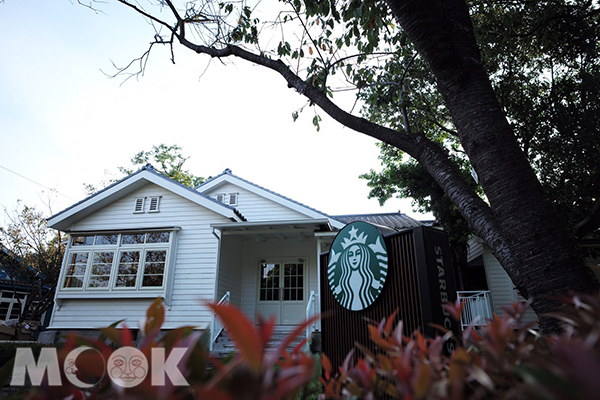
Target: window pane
128 268
83 240
133 238
107 239
76 265
152 280
101 267
154 268
158 237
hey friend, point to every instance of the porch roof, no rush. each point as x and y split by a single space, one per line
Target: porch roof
282 229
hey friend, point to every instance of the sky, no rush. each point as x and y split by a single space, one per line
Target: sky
64 122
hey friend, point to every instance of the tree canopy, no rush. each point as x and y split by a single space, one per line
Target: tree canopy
167 160
543 61
322 47
31 254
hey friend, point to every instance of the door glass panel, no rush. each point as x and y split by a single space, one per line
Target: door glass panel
269 282
293 283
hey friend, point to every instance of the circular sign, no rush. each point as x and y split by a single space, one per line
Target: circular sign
357 266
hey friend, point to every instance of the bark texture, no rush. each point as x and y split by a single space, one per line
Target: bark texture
520 224
530 240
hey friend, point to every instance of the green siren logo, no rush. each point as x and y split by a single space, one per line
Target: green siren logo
358 265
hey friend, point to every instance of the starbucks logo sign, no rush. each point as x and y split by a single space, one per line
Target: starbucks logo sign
357 266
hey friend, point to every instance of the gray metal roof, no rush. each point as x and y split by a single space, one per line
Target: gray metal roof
394 221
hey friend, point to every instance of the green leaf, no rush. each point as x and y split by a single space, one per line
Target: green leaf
242 332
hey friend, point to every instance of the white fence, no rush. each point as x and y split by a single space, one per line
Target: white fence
477 308
217 325
311 309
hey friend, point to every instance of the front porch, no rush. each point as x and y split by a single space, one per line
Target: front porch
271 269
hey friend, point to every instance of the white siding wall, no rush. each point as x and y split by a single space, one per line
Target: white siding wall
231 269
475 248
257 208
195 263
501 287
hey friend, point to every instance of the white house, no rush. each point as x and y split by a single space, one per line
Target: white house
148 236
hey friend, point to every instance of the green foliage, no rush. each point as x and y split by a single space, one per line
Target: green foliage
8 350
543 61
255 373
404 177
167 160
505 360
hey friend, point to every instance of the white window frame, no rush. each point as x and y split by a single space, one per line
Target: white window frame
139 205
112 290
154 204
236 196
226 198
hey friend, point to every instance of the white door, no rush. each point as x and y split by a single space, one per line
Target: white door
281 291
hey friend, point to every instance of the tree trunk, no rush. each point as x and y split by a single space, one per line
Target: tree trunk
520 225
530 240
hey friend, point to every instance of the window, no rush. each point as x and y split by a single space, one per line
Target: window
101 266
154 268
126 261
154 202
227 198
128 267
139 205
76 266
10 308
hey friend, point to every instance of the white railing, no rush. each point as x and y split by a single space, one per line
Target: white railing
217 325
477 308
311 312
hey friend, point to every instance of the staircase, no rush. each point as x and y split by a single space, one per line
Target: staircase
224 346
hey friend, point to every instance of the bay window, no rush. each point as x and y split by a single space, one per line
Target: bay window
117 262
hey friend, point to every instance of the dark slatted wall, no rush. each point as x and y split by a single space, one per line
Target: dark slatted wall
343 328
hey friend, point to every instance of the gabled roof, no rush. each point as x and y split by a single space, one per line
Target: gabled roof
228 177
129 184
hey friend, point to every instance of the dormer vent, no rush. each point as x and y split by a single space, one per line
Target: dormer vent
139 205
227 198
152 205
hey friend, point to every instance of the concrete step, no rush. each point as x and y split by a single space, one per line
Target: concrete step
224 346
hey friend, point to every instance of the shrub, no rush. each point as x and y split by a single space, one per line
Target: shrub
254 373
503 361
9 348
